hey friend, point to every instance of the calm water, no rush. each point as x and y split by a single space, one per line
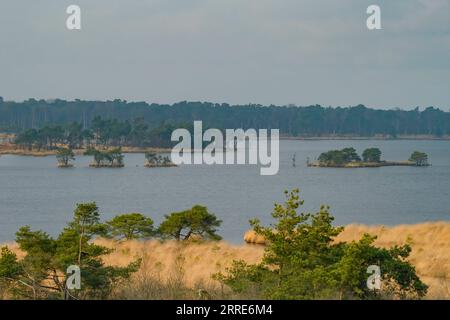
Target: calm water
33 191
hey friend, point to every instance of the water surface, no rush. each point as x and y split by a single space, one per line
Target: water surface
33 191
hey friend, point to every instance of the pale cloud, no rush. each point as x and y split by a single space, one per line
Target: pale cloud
237 51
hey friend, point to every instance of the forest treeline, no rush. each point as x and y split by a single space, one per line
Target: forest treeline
291 120
103 133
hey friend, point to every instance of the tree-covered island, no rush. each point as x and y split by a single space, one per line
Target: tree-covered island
112 158
154 160
371 158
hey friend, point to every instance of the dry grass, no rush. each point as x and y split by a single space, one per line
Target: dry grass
199 260
430 254
173 270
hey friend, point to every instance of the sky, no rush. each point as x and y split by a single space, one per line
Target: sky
278 52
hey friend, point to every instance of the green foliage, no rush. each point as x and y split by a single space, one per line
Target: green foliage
157 160
372 155
141 124
131 226
420 158
302 261
41 274
9 266
350 154
115 156
151 157
102 134
333 157
108 158
399 277
64 156
196 221
339 157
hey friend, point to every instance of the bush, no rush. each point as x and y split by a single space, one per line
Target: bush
301 261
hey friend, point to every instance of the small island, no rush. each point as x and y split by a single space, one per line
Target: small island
106 159
371 158
157 161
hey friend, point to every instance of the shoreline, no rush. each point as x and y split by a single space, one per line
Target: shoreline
375 138
12 150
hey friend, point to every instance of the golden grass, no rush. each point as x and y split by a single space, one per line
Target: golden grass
198 261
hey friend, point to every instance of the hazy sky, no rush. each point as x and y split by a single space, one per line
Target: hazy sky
236 51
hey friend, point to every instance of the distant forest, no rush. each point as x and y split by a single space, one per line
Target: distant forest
291 120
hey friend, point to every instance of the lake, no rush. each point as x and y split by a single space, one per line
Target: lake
33 191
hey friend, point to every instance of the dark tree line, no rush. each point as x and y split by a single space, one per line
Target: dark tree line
102 133
291 120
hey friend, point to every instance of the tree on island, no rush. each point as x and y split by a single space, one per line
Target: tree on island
339 157
419 158
372 155
111 158
154 160
64 156
151 157
116 157
196 221
333 157
130 226
98 156
350 155
303 261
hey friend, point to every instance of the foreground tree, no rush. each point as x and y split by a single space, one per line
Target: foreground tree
41 274
302 261
130 226
196 221
372 155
